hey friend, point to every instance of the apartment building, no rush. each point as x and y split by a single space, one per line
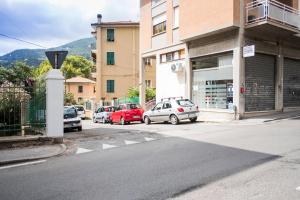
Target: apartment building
117 59
233 58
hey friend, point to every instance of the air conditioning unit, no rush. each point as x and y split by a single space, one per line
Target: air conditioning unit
177 67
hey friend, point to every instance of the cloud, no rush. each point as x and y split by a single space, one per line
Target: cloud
54 22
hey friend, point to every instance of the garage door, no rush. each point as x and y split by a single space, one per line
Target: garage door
260 83
291 83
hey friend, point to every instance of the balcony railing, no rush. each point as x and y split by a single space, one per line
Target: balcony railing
271 10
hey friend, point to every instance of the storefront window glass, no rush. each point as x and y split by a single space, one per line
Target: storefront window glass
213 81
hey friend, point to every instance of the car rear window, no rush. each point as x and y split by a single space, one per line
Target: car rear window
132 106
79 108
69 113
185 102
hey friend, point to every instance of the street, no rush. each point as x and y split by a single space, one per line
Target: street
161 161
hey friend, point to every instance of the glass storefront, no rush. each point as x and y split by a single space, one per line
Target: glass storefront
213 81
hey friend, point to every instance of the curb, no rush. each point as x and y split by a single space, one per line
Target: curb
63 149
281 118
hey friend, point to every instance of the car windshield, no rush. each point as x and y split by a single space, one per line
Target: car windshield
70 113
185 102
79 108
132 106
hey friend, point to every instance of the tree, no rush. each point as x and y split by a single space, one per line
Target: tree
134 92
69 99
72 66
17 73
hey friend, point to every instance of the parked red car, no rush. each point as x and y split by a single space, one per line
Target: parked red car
126 113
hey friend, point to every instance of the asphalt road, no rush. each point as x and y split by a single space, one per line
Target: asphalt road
164 168
154 170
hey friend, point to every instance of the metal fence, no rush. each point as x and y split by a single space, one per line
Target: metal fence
22 108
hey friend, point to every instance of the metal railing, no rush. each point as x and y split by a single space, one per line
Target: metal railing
263 10
22 109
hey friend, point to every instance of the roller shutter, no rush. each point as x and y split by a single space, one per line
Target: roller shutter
291 83
260 83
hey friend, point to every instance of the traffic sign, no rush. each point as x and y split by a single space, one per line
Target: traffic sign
56 58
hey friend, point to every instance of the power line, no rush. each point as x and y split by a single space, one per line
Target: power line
14 38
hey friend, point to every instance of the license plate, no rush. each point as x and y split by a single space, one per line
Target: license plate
192 115
136 117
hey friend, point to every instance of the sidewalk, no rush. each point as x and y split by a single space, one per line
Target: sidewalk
11 156
268 118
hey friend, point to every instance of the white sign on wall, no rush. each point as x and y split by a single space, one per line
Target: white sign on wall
248 51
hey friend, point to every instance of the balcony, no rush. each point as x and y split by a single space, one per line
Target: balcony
273 13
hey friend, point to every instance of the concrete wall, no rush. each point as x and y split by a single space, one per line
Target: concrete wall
198 17
170 84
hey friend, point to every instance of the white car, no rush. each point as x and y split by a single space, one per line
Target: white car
71 118
173 110
80 111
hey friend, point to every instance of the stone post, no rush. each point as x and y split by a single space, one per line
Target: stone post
55 105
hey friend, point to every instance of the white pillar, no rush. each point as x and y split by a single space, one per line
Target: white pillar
55 104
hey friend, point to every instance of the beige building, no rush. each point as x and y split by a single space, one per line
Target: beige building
83 89
117 59
233 58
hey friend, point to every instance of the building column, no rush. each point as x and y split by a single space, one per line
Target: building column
279 80
98 66
55 104
188 74
239 69
142 86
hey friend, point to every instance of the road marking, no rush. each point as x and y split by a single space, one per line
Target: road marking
23 164
108 146
298 188
129 142
149 139
82 150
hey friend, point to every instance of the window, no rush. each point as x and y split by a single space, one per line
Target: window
148 83
110 58
110 86
159 24
110 35
158 106
172 56
176 17
159 28
80 89
167 105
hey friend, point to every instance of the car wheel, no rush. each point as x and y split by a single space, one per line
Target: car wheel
111 122
193 119
174 120
147 120
122 121
80 128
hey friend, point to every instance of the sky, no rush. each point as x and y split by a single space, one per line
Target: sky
52 23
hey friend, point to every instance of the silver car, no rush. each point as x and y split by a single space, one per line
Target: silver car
103 114
173 110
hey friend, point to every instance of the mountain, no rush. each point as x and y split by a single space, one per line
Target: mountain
33 57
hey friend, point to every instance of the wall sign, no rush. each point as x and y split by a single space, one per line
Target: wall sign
248 51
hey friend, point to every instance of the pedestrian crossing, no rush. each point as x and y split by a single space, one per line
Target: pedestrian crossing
103 145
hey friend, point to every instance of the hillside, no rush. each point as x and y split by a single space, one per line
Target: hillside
34 57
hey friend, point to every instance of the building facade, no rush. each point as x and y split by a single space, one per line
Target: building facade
233 58
117 60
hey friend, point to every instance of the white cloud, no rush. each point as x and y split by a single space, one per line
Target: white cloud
51 21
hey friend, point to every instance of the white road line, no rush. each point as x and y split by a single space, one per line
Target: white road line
129 142
149 139
82 150
23 164
108 146
298 188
